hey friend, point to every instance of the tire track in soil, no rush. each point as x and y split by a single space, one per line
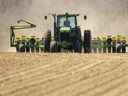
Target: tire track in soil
100 85
37 74
65 85
48 76
118 90
85 79
117 82
26 70
124 94
41 82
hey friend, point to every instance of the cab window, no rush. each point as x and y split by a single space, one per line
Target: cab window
66 22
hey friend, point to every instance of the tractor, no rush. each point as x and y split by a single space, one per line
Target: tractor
19 43
67 33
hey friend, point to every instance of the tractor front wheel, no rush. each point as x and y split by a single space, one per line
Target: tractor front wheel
78 47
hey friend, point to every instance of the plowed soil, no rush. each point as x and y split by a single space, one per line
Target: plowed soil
63 74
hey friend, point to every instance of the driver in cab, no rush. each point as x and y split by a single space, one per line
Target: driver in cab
67 23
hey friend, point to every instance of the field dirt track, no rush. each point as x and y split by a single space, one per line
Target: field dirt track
63 74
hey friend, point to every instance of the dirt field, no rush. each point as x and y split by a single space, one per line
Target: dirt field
63 74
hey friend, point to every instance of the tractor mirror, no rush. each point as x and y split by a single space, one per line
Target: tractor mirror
45 17
85 17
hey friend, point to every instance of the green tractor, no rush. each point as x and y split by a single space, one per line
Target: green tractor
67 33
19 43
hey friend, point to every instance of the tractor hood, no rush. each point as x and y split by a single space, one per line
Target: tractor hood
65 29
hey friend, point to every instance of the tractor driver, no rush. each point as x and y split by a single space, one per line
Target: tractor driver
66 23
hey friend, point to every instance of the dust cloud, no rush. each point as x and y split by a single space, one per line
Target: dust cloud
103 16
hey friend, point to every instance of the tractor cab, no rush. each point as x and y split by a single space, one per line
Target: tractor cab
67 27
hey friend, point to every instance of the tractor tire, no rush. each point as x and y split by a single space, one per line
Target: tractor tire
87 41
78 48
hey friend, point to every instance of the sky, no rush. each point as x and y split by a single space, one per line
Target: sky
104 17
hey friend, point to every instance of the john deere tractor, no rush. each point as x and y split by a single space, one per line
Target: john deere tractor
67 33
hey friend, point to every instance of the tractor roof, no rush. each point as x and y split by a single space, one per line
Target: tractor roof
67 14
